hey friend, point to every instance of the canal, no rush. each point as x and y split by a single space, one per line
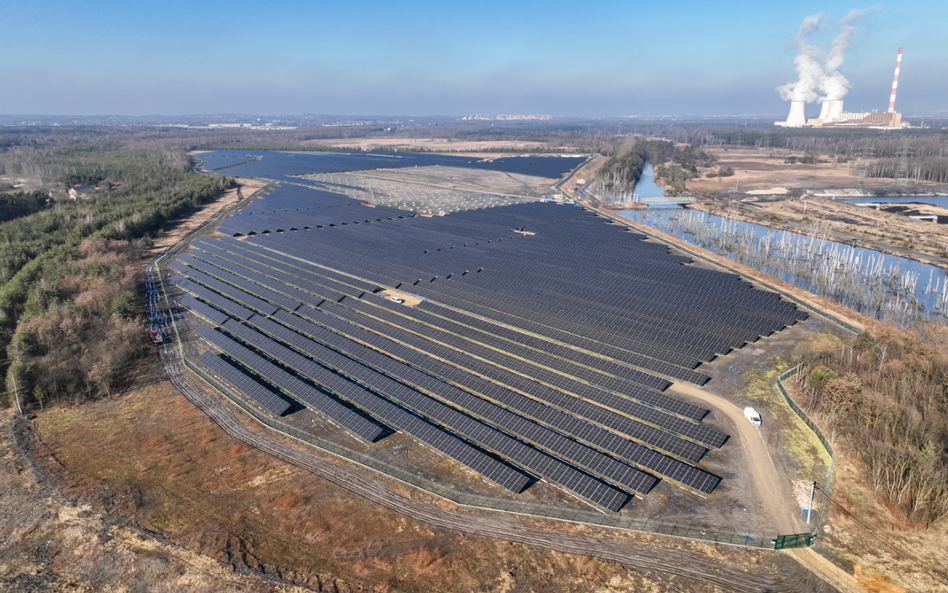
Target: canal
877 284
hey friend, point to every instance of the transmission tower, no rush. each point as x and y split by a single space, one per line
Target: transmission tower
901 175
862 169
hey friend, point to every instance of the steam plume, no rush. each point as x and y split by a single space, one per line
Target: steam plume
806 64
833 84
816 80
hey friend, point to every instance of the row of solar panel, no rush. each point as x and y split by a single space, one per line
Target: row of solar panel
620 424
297 264
606 373
572 421
267 398
358 424
366 428
703 435
466 426
484 327
271 273
537 315
361 343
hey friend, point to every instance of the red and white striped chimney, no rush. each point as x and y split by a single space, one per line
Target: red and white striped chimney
895 83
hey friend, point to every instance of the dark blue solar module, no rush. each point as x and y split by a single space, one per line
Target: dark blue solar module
544 322
279 164
357 423
267 397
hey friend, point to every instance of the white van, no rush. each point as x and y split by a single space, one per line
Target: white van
752 415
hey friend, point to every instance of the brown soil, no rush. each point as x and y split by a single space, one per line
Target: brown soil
152 459
51 541
586 174
764 168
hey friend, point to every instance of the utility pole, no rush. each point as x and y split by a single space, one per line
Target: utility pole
862 168
901 175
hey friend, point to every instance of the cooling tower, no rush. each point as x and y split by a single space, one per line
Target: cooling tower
797 118
831 111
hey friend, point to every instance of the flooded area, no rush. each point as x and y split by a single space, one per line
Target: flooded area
877 284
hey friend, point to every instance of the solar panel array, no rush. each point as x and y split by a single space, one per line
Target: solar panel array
276 164
542 344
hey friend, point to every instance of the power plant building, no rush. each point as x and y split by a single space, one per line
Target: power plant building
833 116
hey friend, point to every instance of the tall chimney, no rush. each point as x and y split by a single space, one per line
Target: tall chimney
797 118
895 82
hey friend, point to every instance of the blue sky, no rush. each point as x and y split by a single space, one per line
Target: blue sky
449 58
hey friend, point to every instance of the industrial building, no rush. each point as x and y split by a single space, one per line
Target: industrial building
833 116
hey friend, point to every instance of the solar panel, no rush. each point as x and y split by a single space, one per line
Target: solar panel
359 425
268 398
459 423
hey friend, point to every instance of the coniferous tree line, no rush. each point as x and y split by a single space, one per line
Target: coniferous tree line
68 306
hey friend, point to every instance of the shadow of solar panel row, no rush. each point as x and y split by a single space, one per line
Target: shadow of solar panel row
679 266
502 337
702 322
569 424
227 290
550 322
247 284
272 402
620 348
202 309
278 285
559 446
303 268
217 300
637 383
660 299
703 435
485 436
270 275
567 308
606 418
357 424
267 277
607 374
386 411
325 253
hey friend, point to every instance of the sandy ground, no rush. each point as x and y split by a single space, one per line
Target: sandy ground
481 147
180 229
765 169
586 174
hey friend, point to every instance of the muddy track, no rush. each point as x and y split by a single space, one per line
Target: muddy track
660 563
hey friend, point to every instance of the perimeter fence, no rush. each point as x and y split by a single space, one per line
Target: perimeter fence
819 435
472 501
485 502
